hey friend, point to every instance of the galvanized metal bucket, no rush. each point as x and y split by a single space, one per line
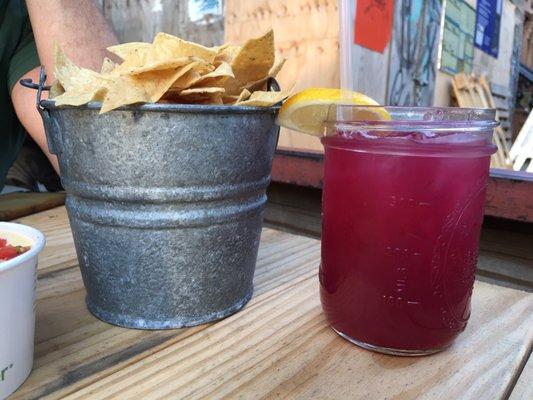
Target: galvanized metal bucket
165 203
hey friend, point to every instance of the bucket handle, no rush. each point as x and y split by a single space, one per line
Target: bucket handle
51 127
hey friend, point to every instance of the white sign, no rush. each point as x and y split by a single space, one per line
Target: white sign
205 11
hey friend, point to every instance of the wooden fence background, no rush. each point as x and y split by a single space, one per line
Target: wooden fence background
140 20
307 34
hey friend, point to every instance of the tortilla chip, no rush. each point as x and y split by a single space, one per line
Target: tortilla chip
226 54
201 90
222 47
125 49
264 99
255 59
173 70
229 99
208 95
70 75
192 75
252 62
211 98
166 52
160 65
108 66
276 68
232 99
143 88
185 81
79 95
55 90
215 78
245 95
193 98
261 83
174 47
139 62
223 69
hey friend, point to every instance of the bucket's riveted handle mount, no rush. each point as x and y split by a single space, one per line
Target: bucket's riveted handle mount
53 133
273 86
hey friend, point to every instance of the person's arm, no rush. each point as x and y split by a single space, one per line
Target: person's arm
83 34
77 26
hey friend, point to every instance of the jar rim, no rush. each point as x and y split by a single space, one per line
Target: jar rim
437 119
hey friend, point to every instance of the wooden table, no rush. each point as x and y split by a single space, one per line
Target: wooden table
279 346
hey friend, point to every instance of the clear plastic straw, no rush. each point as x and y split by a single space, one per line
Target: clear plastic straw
345 41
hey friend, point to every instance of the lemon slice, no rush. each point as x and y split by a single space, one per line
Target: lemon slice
307 110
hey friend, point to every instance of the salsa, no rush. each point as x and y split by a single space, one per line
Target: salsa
8 251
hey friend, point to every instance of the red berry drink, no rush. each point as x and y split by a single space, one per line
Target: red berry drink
402 213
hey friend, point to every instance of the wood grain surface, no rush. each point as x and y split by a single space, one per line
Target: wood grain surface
17 205
279 346
523 390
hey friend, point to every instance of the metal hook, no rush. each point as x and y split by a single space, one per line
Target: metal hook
39 87
28 82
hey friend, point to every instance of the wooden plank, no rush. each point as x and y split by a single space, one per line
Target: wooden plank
294 209
59 252
500 91
69 339
279 346
500 137
413 57
501 103
523 144
509 193
527 41
515 66
370 69
16 205
283 347
461 90
473 92
298 168
140 20
505 251
523 390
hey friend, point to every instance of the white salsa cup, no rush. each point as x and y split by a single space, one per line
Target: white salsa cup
17 306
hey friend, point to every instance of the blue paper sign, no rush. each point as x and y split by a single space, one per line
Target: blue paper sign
488 22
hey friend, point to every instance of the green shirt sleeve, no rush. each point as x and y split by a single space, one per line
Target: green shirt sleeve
25 59
18 55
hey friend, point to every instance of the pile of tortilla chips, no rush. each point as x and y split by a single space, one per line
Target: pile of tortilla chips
173 70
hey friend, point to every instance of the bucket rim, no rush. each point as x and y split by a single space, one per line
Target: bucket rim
170 107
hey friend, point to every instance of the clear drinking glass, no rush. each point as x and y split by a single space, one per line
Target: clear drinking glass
402 211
